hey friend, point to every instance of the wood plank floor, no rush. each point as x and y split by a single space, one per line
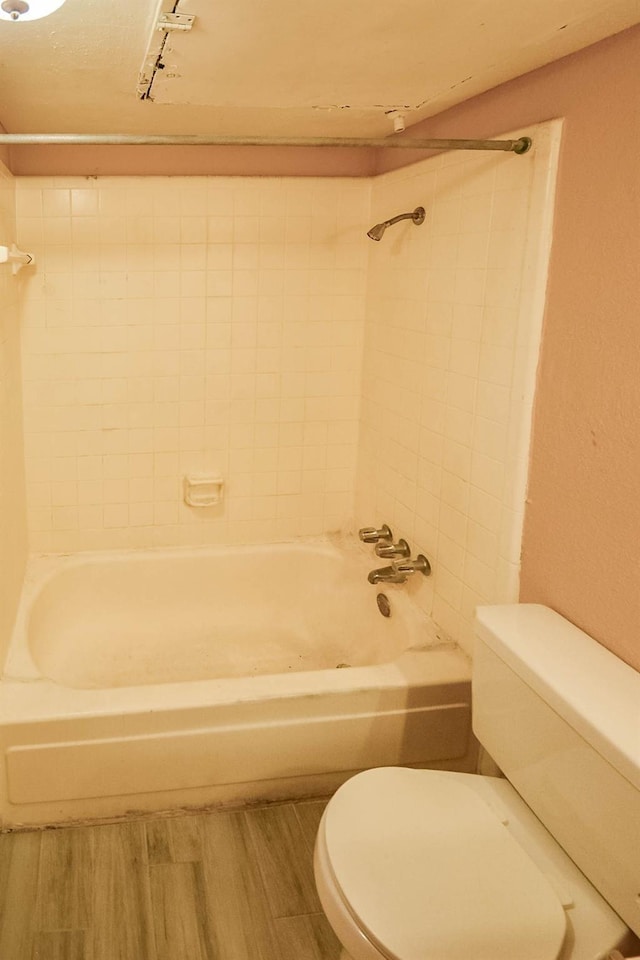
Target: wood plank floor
218 886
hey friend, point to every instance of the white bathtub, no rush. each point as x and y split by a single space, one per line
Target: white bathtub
150 680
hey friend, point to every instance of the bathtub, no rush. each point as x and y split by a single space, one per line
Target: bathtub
155 680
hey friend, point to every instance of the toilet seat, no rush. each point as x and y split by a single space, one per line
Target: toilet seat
428 871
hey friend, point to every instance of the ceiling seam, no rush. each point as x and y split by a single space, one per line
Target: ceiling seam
158 65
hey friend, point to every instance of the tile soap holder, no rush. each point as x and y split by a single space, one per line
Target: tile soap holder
202 489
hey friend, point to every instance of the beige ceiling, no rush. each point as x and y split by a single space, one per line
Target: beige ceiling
282 67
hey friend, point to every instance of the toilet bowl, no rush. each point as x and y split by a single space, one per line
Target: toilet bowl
427 865
441 866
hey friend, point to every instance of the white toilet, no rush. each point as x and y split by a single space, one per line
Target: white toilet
424 865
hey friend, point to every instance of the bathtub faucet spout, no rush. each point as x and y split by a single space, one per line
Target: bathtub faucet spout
400 570
387 575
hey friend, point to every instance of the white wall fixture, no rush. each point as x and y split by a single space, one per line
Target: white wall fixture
19 10
203 489
17 258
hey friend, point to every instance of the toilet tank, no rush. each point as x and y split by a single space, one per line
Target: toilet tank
560 715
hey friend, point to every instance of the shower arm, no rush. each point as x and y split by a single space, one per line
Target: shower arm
416 216
402 216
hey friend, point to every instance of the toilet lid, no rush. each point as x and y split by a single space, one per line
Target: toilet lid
430 873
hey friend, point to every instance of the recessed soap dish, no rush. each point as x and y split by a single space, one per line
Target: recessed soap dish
202 489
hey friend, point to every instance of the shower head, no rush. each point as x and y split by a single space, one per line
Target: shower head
378 229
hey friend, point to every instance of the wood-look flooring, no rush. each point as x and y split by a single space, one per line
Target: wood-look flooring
218 886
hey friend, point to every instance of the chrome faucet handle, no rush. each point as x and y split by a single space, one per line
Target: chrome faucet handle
419 565
389 550
371 535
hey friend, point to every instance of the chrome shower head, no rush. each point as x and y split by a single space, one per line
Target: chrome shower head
378 229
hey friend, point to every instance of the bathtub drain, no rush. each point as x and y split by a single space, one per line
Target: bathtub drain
383 604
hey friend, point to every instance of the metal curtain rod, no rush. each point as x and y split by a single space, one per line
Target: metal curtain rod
116 139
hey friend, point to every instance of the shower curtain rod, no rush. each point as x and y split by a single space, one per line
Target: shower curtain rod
115 139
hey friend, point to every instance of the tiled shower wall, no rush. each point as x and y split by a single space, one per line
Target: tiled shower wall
187 325
13 523
454 314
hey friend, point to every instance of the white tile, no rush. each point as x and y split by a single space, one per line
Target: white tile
228 308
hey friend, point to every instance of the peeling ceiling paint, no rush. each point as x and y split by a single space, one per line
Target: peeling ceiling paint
283 68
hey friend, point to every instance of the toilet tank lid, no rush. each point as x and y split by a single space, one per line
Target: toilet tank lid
588 686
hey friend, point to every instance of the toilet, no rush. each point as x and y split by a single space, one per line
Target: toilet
541 864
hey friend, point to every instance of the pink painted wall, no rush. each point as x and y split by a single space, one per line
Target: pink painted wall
69 161
4 151
581 551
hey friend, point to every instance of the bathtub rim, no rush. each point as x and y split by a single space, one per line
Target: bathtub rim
41 699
